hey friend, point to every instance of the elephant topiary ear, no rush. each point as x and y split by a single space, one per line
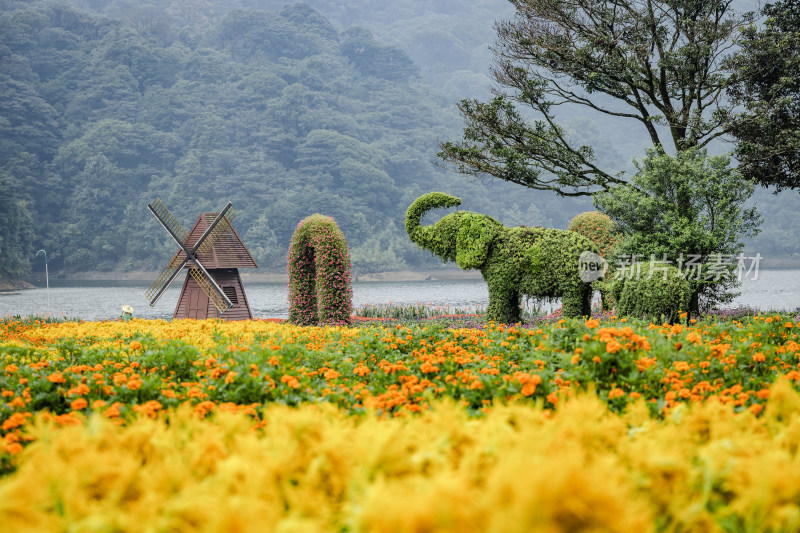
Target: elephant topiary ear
475 234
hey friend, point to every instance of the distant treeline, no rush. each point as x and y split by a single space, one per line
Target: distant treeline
106 106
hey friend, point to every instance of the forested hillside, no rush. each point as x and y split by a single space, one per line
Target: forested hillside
277 111
286 111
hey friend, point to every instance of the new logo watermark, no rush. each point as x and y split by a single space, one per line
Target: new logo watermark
716 267
591 266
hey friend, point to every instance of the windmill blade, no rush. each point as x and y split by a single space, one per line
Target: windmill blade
168 220
210 287
164 280
224 223
210 229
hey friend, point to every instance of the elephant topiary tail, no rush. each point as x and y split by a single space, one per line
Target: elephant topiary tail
423 204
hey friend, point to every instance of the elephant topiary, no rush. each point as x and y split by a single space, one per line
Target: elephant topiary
537 262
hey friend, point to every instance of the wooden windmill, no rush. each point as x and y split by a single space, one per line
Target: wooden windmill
213 252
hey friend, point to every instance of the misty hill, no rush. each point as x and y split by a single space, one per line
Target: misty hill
285 111
277 111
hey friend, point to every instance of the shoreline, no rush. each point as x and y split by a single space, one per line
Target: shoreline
13 285
265 277
778 263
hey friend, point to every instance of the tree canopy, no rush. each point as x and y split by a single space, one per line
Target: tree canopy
656 64
688 210
766 82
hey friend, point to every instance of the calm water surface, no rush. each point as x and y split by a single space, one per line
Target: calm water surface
773 290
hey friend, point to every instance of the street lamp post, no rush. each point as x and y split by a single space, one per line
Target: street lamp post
46 276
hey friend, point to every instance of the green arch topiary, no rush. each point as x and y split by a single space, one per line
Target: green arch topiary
538 262
320 291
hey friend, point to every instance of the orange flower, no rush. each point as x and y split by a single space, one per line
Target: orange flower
135 345
113 411
331 374
552 398
203 408
363 370
14 448
13 421
56 377
149 409
79 404
80 390
592 323
425 368
291 381
694 337
529 388
613 346
18 402
615 393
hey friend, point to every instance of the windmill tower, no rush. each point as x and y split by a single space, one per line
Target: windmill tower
213 252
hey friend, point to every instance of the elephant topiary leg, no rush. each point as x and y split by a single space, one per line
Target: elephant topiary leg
577 302
503 304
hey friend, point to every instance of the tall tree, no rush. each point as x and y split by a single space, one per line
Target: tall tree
766 82
656 63
688 210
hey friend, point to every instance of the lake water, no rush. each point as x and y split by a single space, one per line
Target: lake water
773 290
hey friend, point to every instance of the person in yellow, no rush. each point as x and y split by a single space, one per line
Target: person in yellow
127 312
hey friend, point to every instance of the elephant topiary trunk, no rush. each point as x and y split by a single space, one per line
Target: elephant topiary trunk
537 262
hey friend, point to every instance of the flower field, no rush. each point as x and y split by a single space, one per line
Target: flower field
576 424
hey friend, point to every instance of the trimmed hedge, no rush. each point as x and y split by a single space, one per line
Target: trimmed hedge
598 228
658 295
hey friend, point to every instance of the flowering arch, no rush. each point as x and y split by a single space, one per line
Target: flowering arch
320 290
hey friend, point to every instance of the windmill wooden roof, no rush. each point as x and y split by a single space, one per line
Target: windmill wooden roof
228 251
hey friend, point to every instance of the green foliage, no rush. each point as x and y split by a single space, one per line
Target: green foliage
319 273
598 228
624 59
537 262
417 311
766 82
16 231
475 235
262 108
681 206
656 293
442 241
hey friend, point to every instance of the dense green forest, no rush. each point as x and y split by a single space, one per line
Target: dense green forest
332 107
